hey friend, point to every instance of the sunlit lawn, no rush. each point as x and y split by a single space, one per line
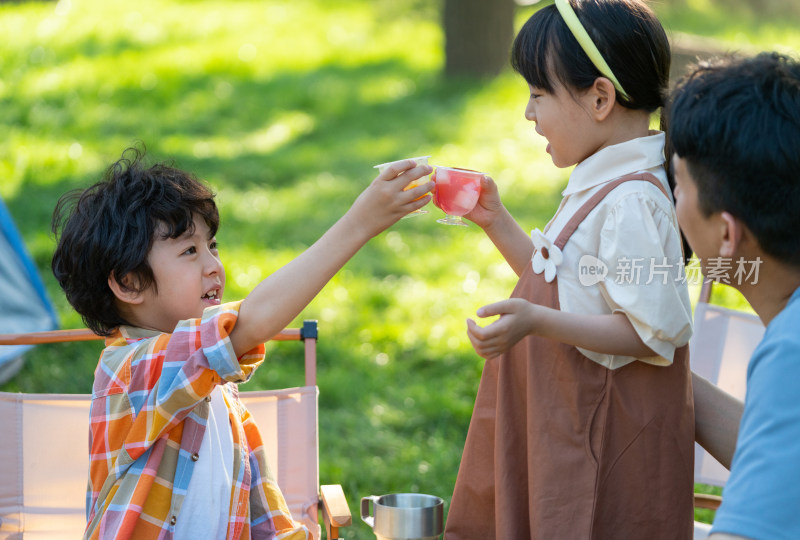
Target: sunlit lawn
284 107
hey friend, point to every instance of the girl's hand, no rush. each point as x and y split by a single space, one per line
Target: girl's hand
517 320
488 207
385 200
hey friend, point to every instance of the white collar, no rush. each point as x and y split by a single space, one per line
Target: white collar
617 160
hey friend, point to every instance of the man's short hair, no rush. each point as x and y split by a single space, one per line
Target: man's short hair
736 123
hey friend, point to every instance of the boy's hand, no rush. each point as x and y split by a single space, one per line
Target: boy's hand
517 320
384 201
488 206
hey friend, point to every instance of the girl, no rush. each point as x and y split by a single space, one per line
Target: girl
583 423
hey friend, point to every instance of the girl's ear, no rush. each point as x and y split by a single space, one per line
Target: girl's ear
127 291
732 232
603 97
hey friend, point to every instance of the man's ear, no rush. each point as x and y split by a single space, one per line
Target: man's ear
603 97
732 233
127 291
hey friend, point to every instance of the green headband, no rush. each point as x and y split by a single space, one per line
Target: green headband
586 43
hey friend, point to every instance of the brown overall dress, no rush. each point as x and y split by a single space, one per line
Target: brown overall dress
560 447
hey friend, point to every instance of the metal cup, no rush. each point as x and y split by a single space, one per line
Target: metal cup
404 516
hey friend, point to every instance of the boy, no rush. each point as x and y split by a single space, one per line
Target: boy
735 131
174 454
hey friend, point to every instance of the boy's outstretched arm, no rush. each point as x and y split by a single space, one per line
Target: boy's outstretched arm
279 298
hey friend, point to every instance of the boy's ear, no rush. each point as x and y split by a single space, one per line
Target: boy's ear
127 291
603 96
732 232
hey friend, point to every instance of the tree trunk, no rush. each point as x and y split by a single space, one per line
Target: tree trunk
478 35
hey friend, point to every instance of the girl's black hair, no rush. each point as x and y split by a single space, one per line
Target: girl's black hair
110 227
628 35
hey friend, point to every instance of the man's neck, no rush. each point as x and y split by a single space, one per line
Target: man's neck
776 284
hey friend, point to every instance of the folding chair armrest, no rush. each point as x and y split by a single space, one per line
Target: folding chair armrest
707 501
335 512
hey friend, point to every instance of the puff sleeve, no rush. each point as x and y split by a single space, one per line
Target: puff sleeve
641 245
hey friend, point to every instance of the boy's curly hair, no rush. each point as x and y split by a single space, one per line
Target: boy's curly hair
110 227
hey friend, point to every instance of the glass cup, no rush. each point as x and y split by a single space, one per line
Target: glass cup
456 193
419 160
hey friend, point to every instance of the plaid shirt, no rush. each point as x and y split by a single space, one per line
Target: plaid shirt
149 412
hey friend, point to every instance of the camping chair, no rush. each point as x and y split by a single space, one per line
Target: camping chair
44 453
720 349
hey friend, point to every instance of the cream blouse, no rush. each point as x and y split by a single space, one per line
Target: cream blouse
626 255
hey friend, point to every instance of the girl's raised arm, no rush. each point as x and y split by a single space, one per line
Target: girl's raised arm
501 228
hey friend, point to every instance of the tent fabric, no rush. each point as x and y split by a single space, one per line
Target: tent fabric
24 304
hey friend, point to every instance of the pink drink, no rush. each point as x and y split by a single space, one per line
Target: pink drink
457 190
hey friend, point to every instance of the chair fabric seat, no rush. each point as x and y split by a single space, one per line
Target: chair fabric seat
44 458
720 349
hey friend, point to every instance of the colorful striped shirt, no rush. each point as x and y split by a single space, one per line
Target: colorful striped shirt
149 412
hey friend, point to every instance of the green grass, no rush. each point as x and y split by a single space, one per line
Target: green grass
284 106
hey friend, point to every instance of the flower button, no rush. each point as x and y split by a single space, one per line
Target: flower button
546 255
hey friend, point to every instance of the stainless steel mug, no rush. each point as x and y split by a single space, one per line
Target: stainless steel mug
404 516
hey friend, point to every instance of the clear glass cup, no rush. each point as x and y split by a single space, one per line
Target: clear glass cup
419 160
456 193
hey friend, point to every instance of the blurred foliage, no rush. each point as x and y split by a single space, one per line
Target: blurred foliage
739 25
284 107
